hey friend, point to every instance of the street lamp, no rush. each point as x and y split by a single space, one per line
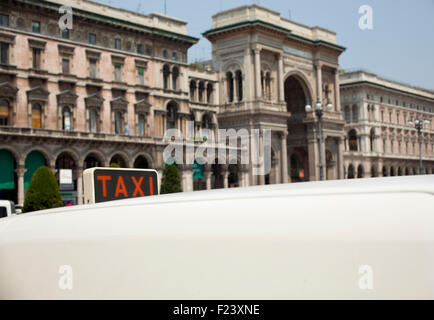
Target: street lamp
418 124
319 111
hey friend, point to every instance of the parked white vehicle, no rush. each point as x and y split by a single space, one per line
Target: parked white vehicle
352 239
7 208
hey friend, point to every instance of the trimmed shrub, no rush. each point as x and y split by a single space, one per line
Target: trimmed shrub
43 192
171 181
114 165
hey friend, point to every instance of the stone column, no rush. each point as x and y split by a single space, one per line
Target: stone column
187 178
261 150
20 174
313 159
337 92
225 174
79 173
207 175
280 80
341 173
258 73
284 157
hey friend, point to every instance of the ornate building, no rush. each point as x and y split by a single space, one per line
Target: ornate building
107 90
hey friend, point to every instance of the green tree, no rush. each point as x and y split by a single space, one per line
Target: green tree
171 181
114 165
43 192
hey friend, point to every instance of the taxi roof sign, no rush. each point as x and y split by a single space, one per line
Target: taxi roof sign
108 184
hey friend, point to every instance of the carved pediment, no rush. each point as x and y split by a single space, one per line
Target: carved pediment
94 101
37 44
142 106
63 49
8 90
37 94
67 97
119 103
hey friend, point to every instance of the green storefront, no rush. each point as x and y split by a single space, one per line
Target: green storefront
8 183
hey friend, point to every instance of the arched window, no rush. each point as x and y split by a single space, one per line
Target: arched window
175 75
355 113
192 90
206 124
36 116
171 116
165 54
263 83
347 114
118 122
372 139
239 78
141 125
268 86
4 113
352 140
230 86
66 119
360 172
166 75
93 117
351 174
201 90
209 90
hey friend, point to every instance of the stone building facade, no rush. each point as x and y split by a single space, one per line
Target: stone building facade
107 90
379 140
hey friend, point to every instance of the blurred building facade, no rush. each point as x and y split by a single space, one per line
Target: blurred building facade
107 90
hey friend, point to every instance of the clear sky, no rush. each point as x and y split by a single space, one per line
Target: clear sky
400 46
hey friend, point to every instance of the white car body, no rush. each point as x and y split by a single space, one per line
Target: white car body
352 239
7 208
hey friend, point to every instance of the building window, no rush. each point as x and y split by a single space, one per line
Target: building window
92 68
4 113
175 75
230 86
175 56
36 116
209 90
165 54
118 72
118 122
4 53
65 33
92 38
36 58
4 20
166 74
141 125
192 90
239 78
355 113
352 140
140 48
66 119
65 65
171 117
36 26
118 44
267 86
347 114
93 123
201 90
140 76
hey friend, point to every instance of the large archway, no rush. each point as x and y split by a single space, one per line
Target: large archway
141 163
68 189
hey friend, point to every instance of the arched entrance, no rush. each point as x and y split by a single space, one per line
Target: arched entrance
217 176
92 161
119 160
33 162
233 176
8 177
141 163
68 188
297 96
351 174
360 172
